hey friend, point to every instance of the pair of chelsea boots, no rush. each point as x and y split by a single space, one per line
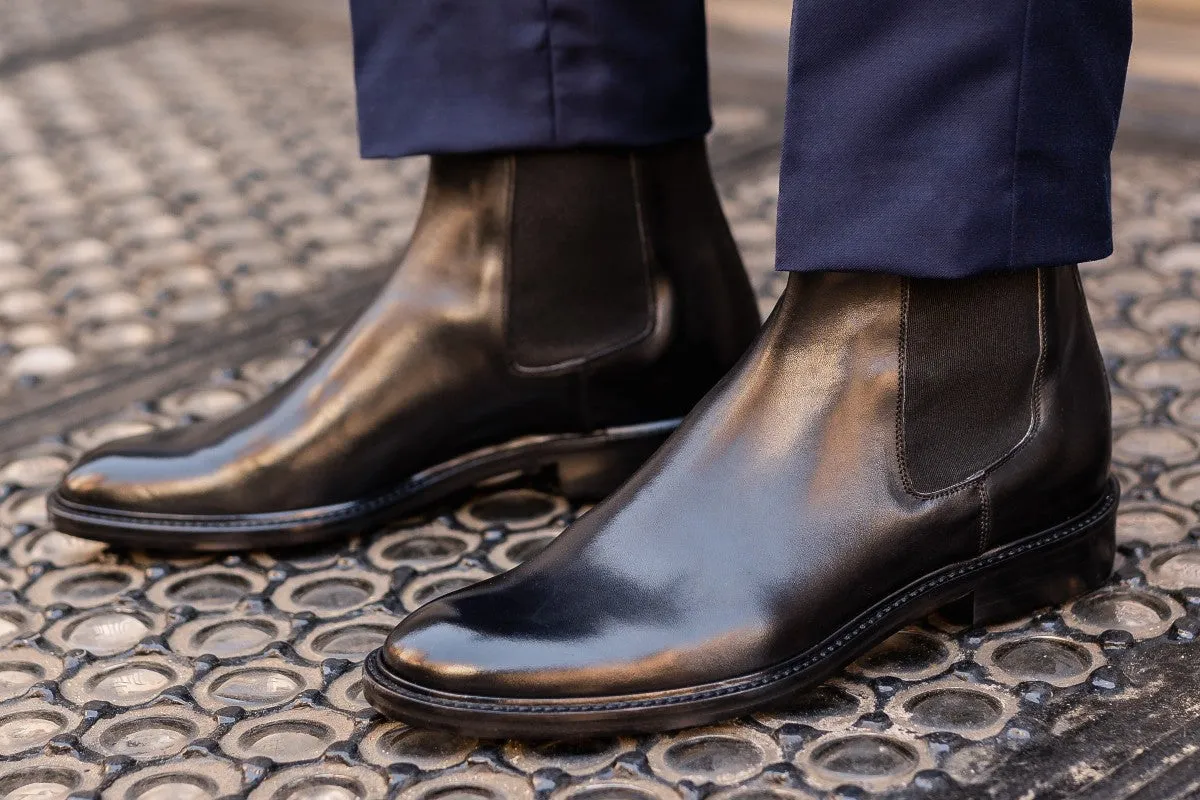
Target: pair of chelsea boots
887 447
553 311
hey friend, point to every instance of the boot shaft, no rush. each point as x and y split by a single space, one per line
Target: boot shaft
1067 454
991 391
613 271
988 364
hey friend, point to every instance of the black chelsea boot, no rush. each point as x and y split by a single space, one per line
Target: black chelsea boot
889 447
557 310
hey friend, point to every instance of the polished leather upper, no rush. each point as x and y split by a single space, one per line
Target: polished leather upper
776 513
427 371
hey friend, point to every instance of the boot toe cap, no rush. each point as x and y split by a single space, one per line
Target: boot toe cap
108 480
148 474
475 645
437 648
430 649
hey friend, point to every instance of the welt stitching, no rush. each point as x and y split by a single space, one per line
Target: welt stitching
901 369
985 516
901 375
925 587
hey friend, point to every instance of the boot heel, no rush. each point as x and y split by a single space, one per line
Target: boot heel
1044 577
594 474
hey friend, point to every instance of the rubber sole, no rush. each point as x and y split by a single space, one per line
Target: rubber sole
1007 582
588 467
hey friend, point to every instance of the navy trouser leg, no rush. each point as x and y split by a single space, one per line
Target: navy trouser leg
944 139
442 76
923 137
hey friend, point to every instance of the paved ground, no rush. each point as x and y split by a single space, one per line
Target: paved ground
182 216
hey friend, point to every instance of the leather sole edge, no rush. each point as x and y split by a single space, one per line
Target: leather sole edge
589 466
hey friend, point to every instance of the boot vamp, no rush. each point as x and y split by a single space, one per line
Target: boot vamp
771 519
386 399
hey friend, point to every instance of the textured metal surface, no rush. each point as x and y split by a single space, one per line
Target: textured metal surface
165 172
179 197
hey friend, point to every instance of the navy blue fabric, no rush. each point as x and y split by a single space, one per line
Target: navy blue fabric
944 139
923 137
446 76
